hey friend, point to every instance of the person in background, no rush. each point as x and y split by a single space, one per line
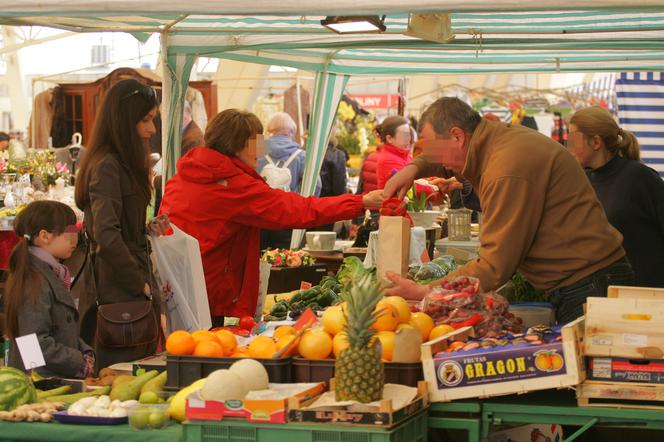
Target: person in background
282 150
4 141
37 298
369 173
218 198
113 188
395 152
540 213
631 193
192 135
333 174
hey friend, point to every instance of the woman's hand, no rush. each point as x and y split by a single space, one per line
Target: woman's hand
407 289
373 199
160 225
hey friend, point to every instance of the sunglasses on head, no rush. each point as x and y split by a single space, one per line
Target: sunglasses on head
147 92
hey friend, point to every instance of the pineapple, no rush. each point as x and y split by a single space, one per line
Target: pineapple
359 373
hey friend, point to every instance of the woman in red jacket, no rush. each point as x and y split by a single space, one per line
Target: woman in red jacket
218 198
395 152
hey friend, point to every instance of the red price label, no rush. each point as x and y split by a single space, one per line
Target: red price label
304 285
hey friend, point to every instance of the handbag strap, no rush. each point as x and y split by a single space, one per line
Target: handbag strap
75 279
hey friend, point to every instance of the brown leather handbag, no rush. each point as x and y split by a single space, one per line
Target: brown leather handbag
127 324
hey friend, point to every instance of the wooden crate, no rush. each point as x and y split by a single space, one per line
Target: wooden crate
635 292
573 374
620 395
628 327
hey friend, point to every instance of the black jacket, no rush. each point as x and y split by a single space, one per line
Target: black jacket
632 195
333 172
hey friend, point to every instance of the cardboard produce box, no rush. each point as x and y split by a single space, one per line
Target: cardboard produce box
625 370
508 369
399 404
273 410
625 327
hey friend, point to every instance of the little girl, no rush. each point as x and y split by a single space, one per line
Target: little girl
37 298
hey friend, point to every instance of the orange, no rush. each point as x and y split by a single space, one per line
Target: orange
262 348
339 343
282 331
333 320
284 341
240 352
180 343
386 339
439 331
388 318
209 348
315 344
543 362
402 307
557 362
227 340
204 335
456 345
423 323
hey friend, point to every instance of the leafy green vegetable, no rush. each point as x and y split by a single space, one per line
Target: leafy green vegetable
524 291
352 269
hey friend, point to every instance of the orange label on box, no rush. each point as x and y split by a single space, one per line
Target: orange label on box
304 285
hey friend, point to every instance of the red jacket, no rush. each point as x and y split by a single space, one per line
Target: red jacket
224 203
391 159
370 173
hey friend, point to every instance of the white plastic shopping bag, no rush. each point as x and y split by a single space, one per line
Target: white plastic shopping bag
181 280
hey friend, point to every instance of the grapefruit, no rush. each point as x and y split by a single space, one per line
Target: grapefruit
388 317
440 330
262 348
315 344
423 323
386 339
333 320
402 307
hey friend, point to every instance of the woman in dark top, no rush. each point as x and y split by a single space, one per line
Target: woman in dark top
631 193
113 189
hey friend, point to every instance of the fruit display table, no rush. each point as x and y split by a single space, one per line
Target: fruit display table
37 432
545 407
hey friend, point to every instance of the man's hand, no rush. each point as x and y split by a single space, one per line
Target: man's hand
399 184
447 185
407 289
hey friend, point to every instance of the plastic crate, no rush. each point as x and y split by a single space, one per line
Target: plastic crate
183 370
412 430
322 370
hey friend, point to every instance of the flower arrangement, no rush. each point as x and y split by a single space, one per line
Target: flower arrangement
41 165
355 132
288 258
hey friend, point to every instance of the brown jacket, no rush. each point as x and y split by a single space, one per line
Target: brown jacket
540 213
115 222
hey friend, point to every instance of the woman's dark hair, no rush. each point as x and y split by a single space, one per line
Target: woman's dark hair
114 132
230 129
52 216
389 126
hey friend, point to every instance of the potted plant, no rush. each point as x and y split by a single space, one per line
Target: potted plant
417 209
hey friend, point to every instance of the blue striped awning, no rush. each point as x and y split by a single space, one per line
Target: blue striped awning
641 111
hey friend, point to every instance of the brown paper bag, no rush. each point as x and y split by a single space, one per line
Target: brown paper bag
393 246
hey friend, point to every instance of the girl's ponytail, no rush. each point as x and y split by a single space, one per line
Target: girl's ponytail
20 280
628 146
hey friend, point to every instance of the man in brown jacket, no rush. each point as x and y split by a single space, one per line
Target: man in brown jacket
540 213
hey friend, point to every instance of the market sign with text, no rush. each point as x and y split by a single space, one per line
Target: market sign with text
376 101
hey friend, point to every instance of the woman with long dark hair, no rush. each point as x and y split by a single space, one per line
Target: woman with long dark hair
113 188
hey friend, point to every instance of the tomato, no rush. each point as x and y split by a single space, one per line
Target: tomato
247 323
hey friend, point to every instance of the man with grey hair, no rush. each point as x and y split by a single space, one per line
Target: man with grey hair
540 214
282 151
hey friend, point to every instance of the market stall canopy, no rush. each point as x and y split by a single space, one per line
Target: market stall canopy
505 41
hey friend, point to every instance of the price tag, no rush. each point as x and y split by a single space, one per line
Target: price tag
304 285
31 353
